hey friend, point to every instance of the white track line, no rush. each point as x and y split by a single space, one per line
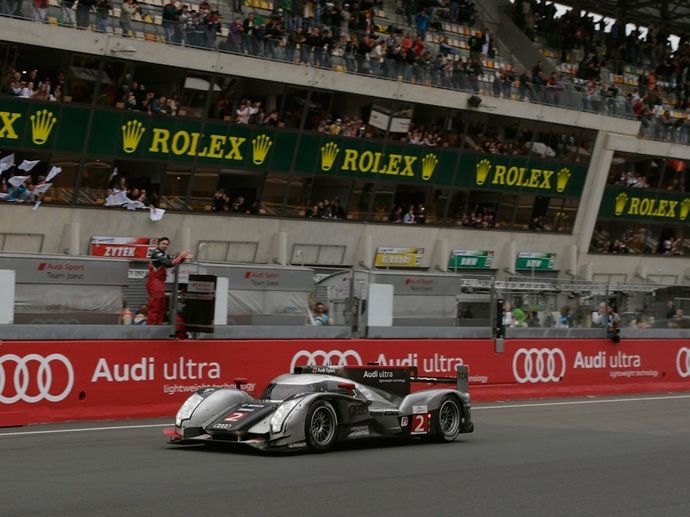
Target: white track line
84 429
474 408
576 402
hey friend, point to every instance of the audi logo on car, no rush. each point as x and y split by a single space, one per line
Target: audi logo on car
32 378
538 365
326 358
683 362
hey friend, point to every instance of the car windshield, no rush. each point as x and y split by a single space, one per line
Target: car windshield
279 392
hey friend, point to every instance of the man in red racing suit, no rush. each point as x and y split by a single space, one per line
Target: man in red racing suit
155 281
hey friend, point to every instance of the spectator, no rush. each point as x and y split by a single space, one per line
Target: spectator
128 9
126 316
670 309
599 317
83 13
140 317
612 324
320 315
103 8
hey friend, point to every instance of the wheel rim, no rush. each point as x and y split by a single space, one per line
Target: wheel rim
449 418
322 426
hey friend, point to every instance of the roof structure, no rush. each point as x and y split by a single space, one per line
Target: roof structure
674 14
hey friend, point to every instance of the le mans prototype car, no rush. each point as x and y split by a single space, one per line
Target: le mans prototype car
318 406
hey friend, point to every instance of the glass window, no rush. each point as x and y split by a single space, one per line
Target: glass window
204 185
327 197
195 93
360 203
63 188
243 189
273 194
93 184
173 188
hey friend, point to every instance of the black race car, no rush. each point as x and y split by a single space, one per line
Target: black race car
318 406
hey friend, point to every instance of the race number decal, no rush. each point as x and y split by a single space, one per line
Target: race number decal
420 424
235 416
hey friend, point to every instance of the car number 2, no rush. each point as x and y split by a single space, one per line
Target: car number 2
235 416
420 424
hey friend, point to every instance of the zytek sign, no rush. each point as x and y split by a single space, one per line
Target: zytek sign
122 247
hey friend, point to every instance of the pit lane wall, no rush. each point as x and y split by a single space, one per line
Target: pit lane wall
53 381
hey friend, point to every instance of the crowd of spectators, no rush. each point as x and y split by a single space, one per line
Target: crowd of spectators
410 213
223 202
326 209
595 46
348 36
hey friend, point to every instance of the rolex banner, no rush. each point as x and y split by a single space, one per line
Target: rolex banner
111 133
629 204
399 257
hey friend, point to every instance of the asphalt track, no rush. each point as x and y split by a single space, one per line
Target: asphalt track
625 456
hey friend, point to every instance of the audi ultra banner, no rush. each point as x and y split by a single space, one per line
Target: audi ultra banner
51 381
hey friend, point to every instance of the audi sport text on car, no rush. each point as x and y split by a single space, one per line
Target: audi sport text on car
318 406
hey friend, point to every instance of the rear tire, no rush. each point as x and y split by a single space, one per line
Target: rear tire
447 420
321 427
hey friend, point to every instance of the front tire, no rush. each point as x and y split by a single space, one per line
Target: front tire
447 420
321 427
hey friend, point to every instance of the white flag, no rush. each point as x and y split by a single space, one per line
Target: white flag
41 188
118 199
6 162
156 213
112 174
27 165
133 205
54 171
15 181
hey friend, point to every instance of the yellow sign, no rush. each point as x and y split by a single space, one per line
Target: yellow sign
376 162
191 143
651 207
42 123
398 257
514 176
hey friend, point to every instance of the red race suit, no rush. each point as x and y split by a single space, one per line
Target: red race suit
155 284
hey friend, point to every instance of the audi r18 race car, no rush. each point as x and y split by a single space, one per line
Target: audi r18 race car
318 406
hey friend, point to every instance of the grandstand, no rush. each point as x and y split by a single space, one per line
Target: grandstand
579 182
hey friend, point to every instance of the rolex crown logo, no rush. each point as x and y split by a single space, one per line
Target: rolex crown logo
562 179
621 200
131 135
260 146
42 123
429 163
329 153
684 208
482 172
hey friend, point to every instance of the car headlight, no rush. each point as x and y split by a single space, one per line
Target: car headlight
281 414
187 409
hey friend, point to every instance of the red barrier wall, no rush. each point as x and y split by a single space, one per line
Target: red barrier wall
51 381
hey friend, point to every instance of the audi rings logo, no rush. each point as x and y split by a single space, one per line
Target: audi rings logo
683 362
538 365
323 358
33 378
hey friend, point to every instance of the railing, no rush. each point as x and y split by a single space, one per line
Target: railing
570 95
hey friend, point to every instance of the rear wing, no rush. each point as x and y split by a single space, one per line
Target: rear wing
394 379
461 379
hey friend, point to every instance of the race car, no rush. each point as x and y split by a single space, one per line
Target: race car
317 407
